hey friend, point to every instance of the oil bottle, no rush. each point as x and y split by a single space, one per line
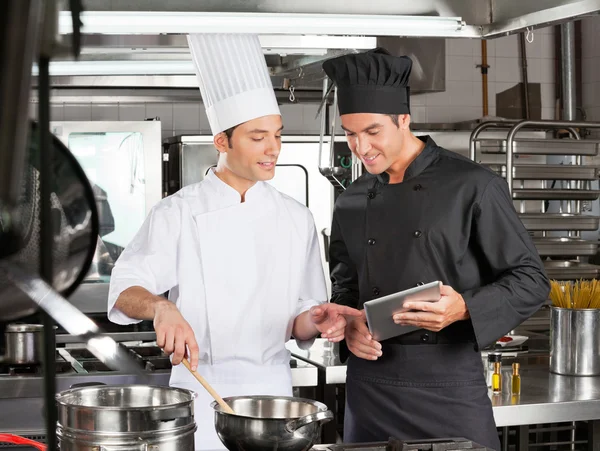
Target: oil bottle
497 378
516 379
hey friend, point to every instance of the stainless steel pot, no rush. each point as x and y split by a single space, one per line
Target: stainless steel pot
575 341
126 417
24 343
270 422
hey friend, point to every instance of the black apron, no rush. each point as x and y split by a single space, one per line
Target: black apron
419 392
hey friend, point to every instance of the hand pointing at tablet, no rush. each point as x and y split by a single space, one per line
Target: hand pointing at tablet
434 316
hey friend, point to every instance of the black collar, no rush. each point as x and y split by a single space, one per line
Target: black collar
419 164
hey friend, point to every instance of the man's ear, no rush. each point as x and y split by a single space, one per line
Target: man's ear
221 142
404 121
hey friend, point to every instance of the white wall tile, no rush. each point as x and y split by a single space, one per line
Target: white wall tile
438 114
436 99
461 93
547 50
547 113
132 112
418 114
460 47
461 68
166 133
102 112
417 100
508 70
78 112
587 95
547 72
594 114
57 111
477 94
186 116
547 95
491 96
534 70
195 131
507 46
162 110
588 71
596 93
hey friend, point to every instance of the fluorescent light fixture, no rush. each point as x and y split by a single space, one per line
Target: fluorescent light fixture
157 22
74 68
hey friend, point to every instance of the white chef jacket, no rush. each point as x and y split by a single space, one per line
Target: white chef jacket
239 273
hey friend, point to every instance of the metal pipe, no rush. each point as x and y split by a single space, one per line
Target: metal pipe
524 75
46 248
567 40
19 27
484 76
324 109
332 130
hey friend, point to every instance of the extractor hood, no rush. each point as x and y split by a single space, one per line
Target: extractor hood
142 44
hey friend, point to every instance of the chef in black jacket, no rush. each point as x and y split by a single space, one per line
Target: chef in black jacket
422 213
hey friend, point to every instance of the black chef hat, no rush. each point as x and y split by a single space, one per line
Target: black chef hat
371 82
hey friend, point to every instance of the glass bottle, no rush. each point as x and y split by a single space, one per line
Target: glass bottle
493 357
497 378
516 379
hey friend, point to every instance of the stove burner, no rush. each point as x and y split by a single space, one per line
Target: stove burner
11 369
158 363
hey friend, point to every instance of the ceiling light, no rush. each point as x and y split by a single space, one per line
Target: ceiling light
157 22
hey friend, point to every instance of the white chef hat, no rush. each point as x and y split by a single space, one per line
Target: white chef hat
233 77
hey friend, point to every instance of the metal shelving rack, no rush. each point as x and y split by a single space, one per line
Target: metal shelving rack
556 235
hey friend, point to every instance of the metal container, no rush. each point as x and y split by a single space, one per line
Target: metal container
24 343
126 417
575 341
270 422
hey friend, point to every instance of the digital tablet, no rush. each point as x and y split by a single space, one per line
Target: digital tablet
379 311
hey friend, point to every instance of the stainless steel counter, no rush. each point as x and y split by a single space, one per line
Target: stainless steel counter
545 397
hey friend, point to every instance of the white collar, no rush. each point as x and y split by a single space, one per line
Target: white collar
230 194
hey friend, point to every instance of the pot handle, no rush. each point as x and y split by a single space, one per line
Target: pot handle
170 414
322 417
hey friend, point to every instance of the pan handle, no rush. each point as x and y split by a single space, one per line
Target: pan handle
322 417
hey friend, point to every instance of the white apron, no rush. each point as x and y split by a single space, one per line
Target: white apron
240 273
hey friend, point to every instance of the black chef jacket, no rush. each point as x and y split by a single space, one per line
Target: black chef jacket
451 220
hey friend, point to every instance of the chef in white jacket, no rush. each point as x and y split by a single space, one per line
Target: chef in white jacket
239 259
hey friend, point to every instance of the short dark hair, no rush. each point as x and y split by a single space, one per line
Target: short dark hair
229 134
394 118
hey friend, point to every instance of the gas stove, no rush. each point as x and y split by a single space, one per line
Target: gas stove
444 444
22 387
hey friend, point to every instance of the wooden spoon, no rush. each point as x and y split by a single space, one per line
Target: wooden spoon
208 388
